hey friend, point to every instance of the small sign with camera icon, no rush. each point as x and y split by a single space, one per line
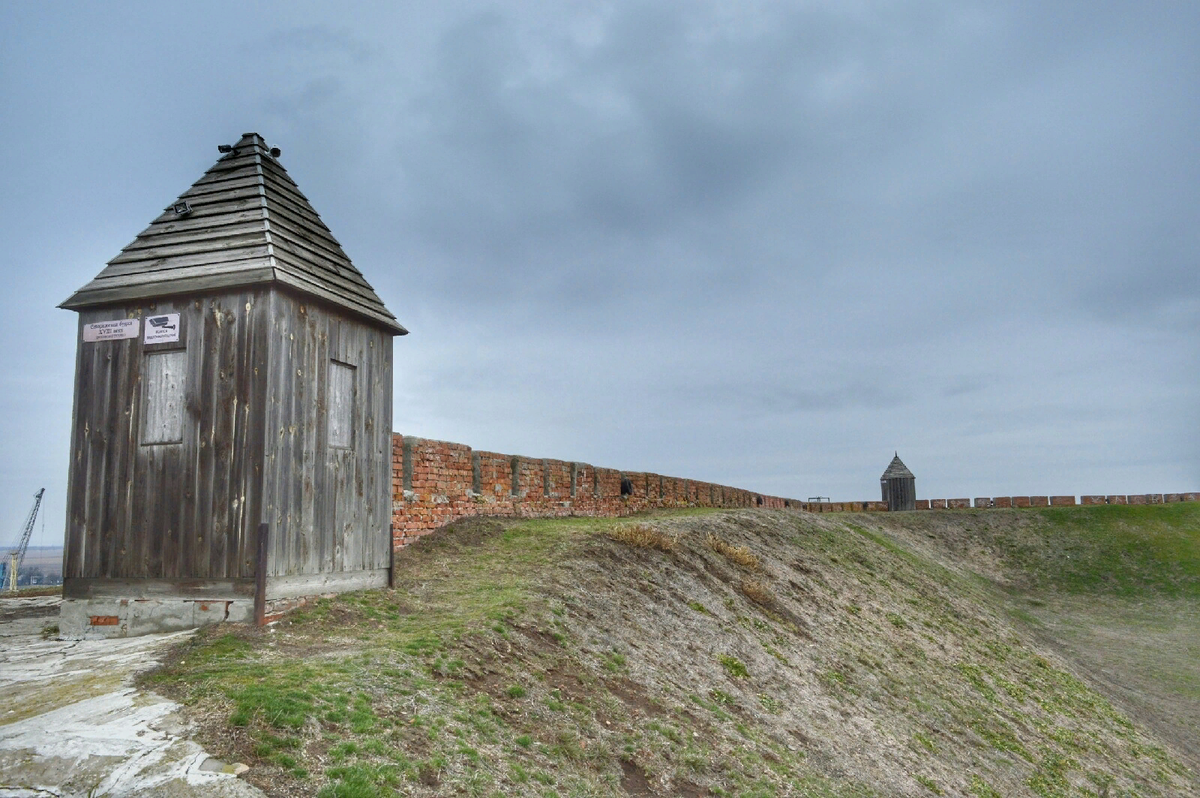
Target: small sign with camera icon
162 329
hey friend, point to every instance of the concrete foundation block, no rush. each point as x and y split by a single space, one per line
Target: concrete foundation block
239 612
96 618
83 619
147 616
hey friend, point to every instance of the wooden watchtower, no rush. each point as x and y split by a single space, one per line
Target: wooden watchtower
234 369
899 486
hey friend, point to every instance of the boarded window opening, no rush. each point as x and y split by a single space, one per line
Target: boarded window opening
341 405
406 465
162 397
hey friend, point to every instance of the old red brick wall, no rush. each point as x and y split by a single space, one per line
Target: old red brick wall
435 482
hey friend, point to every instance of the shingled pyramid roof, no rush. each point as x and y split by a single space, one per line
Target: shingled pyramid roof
244 223
897 469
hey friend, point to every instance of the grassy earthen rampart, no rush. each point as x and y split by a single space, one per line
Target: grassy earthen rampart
739 652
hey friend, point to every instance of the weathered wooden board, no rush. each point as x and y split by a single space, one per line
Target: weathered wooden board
248 239
229 182
316 584
322 271
224 170
212 209
198 280
148 270
215 589
166 448
305 283
186 223
208 233
329 505
162 397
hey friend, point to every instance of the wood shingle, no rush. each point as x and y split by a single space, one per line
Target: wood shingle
897 469
244 223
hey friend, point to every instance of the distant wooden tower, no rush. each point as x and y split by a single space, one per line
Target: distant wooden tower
233 369
899 486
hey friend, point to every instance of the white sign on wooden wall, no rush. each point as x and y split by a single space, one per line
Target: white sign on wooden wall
113 330
161 329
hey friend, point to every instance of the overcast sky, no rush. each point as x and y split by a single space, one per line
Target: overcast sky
762 244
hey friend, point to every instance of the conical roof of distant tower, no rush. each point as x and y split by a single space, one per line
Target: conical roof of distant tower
244 223
897 469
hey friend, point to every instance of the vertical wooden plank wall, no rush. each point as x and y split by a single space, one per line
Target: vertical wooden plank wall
184 509
329 506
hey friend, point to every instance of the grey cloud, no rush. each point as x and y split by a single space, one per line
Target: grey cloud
772 241
964 386
308 42
768 397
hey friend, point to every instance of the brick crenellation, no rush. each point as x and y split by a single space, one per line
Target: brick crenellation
436 482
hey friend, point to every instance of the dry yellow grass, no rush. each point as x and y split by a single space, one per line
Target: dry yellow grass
757 592
642 536
738 554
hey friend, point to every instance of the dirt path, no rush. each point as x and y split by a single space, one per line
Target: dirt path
72 724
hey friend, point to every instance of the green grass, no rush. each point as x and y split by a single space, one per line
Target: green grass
734 667
1129 551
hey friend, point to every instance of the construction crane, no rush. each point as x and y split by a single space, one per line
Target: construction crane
12 564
